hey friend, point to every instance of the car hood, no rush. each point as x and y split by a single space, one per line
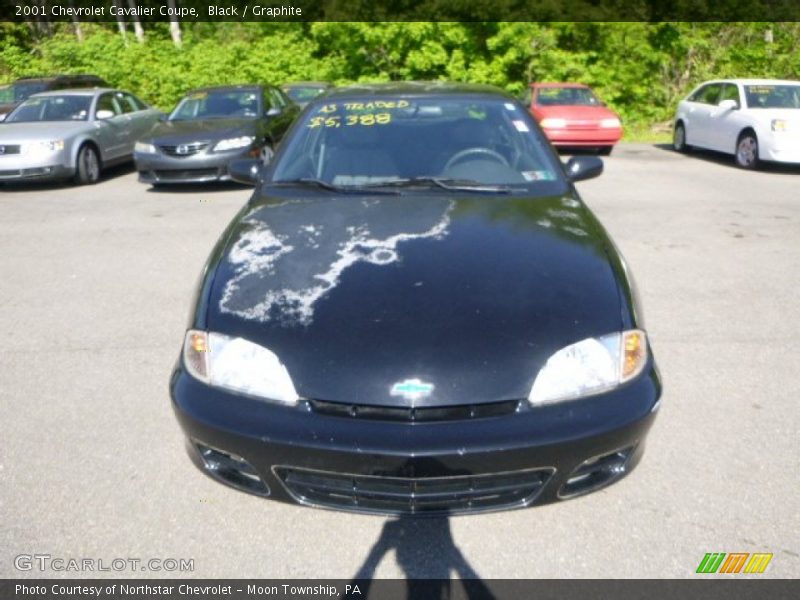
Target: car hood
178 132
581 113
50 130
471 295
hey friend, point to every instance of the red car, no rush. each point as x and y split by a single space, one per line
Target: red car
571 115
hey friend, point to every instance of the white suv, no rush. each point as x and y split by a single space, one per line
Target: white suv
753 119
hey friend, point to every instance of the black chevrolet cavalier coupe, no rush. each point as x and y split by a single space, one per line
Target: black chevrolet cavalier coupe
416 313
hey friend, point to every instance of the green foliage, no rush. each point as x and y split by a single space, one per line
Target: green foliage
640 69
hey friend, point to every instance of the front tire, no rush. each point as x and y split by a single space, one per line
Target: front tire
679 138
747 151
87 170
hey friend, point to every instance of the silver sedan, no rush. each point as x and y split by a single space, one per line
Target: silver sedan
72 134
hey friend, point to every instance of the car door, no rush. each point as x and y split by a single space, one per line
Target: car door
114 129
280 113
142 117
725 122
698 112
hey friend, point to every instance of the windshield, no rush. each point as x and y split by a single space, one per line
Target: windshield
566 96
382 140
304 93
219 104
772 96
52 108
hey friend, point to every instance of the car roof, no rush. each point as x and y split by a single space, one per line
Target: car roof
754 81
225 88
414 88
559 84
75 92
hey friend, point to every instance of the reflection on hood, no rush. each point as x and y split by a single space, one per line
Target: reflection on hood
283 264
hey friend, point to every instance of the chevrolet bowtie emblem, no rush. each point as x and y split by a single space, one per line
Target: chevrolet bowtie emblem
412 389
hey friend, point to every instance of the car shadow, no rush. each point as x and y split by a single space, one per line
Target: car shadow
194 188
427 554
726 160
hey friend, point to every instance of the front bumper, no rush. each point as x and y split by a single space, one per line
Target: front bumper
295 454
203 167
20 168
595 137
783 148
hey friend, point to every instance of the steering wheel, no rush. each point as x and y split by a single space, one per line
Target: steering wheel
460 155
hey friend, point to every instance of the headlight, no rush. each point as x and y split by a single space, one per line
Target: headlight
779 125
591 366
234 143
45 147
238 365
144 148
553 123
610 123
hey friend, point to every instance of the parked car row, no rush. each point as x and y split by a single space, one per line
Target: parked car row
75 133
72 126
755 120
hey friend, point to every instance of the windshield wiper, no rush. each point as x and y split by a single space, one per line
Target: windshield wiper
312 181
459 185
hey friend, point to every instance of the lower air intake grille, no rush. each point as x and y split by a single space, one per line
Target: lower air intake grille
176 175
424 495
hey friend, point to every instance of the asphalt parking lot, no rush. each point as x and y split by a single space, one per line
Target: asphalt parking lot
96 286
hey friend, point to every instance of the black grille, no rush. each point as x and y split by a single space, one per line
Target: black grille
416 414
9 149
181 150
424 495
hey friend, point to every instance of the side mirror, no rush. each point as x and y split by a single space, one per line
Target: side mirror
579 168
273 112
104 114
163 117
245 170
728 105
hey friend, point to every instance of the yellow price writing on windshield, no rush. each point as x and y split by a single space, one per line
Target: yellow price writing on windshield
367 120
327 109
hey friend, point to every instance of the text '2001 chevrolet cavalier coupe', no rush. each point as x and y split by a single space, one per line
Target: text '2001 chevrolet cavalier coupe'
416 313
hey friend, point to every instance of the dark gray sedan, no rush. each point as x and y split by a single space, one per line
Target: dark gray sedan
72 134
209 128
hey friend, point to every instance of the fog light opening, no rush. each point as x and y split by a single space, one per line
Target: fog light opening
232 470
597 472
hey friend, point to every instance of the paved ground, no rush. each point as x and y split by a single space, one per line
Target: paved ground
95 294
